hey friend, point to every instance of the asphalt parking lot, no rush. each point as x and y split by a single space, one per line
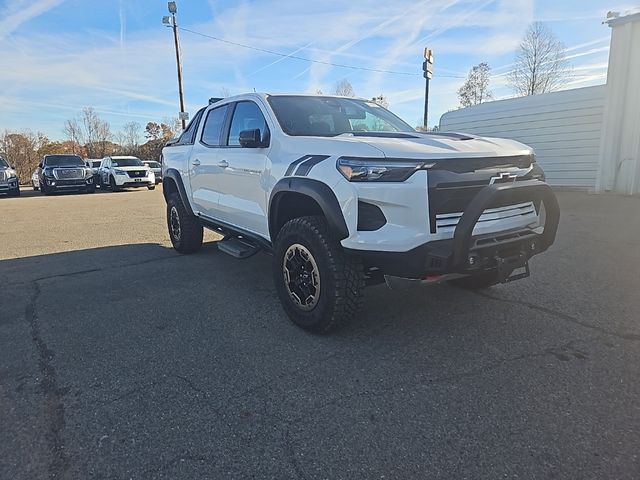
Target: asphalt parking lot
121 359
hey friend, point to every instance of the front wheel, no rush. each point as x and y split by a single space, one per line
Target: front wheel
113 185
185 230
319 286
151 187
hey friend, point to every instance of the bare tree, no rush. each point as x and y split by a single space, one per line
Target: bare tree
103 144
73 132
541 64
132 133
475 89
344 89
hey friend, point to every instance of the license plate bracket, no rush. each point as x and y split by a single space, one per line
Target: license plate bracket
512 268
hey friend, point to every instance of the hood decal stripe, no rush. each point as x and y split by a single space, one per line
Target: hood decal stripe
306 166
294 164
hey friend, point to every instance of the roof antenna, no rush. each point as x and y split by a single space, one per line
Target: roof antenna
254 89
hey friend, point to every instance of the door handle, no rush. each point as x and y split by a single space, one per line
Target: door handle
195 162
223 164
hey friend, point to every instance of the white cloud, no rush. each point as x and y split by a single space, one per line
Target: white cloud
20 13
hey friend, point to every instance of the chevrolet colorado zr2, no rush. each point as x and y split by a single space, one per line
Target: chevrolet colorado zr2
343 193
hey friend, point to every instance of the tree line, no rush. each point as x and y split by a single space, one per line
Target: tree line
540 66
89 136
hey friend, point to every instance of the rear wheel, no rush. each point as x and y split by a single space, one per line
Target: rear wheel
185 230
478 281
319 286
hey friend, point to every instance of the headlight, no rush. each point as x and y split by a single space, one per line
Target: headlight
11 174
119 172
88 173
379 169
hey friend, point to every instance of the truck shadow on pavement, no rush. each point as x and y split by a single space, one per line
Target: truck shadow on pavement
219 284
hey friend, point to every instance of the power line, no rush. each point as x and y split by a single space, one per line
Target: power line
297 57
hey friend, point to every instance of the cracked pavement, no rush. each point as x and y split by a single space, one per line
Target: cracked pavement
121 359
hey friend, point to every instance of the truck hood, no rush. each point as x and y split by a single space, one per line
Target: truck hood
438 146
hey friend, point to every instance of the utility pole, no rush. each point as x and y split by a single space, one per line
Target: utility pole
427 72
176 40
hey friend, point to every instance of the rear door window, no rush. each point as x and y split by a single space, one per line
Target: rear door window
212 130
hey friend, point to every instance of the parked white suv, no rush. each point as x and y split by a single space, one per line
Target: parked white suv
343 193
117 172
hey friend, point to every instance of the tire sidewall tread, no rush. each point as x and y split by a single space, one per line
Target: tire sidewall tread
341 276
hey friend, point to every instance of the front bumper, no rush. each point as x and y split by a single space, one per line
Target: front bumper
467 254
9 186
127 181
54 184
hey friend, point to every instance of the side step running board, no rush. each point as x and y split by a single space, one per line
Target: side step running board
237 247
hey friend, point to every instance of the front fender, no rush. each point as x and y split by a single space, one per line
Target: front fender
320 192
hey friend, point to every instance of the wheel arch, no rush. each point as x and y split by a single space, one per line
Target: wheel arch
172 183
294 197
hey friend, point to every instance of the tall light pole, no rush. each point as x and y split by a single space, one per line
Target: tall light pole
173 9
427 69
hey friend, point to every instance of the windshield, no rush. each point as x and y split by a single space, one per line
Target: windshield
63 161
3 162
331 116
126 162
153 164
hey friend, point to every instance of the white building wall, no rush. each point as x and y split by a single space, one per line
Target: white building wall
620 148
564 129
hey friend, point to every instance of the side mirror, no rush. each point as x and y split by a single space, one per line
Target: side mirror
40 165
251 138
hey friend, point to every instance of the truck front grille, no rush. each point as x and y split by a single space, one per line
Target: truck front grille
447 222
68 173
137 173
3 176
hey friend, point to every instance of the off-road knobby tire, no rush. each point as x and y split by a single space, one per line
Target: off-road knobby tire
477 282
341 276
191 230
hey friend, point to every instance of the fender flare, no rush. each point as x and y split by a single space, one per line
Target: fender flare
174 175
318 191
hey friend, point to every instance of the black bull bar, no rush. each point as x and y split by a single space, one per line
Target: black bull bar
507 193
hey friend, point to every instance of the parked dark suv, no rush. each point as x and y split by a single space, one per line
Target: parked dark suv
65 172
8 179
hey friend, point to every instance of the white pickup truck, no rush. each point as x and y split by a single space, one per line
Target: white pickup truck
343 193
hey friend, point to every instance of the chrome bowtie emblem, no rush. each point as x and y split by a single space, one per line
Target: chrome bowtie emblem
503 177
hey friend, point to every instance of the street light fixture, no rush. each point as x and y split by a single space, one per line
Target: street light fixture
176 40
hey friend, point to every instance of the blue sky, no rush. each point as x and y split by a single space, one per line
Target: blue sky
116 56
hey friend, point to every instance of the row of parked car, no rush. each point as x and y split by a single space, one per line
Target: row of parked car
69 172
